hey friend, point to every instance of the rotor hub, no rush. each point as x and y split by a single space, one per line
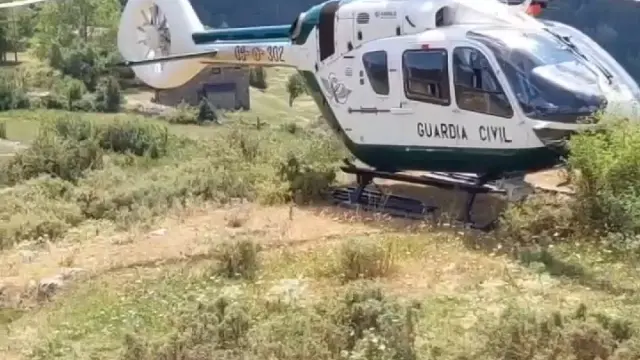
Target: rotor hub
154 34
152 37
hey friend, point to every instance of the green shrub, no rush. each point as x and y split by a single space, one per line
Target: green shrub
308 182
85 104
183 114
542 219
361 324
237 259
72 127
108 96
295 87
206 112
12 94
521 334
136 137
212 329
608 184
51 154
363 259
67 90
38 209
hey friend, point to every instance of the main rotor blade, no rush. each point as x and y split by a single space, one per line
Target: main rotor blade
168 58
19 3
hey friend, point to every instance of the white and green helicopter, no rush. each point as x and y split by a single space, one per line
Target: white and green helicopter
470 91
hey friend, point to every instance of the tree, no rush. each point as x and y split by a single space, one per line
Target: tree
93 22
108 95
295 87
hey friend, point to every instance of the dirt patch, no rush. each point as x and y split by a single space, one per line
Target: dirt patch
8 147
179 237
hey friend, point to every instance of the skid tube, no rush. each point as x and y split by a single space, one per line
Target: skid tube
399 206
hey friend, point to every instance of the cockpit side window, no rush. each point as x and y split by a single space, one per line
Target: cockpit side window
426 76
477 88
376 66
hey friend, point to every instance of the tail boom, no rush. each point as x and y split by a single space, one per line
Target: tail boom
276 54
271 54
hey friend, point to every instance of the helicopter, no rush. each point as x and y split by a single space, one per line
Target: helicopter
474 94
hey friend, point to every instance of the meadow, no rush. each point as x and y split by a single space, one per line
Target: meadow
127 237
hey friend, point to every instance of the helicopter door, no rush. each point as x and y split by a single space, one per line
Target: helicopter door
481 104
423 113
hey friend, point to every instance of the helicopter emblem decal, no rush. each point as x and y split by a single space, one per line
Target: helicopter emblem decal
338 91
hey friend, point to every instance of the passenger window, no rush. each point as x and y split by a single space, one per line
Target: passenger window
476 86
426 76
375 64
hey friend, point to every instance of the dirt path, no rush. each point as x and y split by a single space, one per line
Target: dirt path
179 237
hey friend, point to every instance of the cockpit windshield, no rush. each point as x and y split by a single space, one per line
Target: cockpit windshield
550 81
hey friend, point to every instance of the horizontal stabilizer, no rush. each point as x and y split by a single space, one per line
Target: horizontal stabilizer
162 59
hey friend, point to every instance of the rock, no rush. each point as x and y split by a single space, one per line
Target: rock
159 232
70 273
28 256
48 287
287 291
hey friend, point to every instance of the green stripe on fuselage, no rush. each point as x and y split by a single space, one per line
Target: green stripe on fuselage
465 160
253 34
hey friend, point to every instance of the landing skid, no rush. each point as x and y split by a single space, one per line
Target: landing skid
375 200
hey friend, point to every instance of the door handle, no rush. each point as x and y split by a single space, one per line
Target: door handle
401 111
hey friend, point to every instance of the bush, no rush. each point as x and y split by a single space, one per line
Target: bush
307 182
3 130
542 219
69 89
521 334
72 127
108 96
38 209
364 259
605 173
295 87
362 324
237 259
206 112
135 137
183 114
12 94
51 154
80 62
609 183
86 104
202 332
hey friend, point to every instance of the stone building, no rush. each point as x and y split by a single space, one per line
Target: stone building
225 88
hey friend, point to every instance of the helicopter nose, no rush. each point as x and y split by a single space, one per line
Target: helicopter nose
629 109
556 136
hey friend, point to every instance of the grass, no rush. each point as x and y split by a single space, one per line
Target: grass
461 295
203 242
